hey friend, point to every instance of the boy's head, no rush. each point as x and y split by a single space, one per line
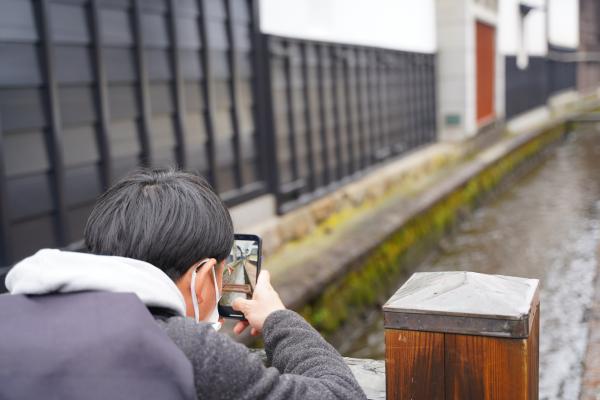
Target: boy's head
168 218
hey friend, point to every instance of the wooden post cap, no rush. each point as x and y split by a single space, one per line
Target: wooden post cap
465 303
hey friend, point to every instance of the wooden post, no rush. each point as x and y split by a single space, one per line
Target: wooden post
462 335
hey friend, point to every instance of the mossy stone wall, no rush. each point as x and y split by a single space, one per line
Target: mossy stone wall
375 272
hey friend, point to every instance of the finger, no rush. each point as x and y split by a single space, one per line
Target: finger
254 332
264 278
240 326
240 304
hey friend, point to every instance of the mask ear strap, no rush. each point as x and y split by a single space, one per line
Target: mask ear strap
217 294
193 289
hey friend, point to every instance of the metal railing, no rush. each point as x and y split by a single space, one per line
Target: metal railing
90 89
338 110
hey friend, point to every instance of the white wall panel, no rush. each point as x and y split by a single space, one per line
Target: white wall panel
396 24
534 27
564 23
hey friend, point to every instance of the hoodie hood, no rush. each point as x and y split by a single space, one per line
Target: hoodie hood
56 271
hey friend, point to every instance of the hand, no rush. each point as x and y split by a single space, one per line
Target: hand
265 300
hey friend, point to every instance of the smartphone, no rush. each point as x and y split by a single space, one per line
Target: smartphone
240 274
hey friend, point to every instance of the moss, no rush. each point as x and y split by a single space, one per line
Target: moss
373 275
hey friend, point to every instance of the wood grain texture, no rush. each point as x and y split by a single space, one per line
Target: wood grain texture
427 365
478 367
414 363
533 346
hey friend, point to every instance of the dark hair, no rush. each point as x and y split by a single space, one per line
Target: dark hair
166 217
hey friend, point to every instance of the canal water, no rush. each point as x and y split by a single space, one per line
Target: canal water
546 225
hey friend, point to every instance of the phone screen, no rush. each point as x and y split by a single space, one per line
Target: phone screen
240 273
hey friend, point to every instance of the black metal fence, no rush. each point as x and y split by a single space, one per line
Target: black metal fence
90 89
338 110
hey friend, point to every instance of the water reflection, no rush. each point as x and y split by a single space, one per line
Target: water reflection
546 226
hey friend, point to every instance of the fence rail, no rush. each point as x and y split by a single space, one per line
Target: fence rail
339 110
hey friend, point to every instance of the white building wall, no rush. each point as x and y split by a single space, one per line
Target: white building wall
397 24
452 95
457 66
534 29
523 38
563 23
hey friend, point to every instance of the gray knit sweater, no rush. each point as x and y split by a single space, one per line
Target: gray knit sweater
303 364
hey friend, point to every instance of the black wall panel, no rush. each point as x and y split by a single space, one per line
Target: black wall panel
90 89
525 88
340 110
561 75
531 87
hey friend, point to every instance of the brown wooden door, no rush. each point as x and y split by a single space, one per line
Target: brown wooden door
486 51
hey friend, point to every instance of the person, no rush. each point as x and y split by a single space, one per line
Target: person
165 235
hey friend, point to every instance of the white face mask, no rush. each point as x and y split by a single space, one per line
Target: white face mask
213 318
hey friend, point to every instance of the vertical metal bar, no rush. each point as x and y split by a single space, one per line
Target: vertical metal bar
411 101
340 168
392 104
360 127
379 108
142 91
427 103
382 91
420 94
348 98
290 111
371 108
270 163
261 96
177 87
376 105
415 99
233 94
323 115
433 78
406 127
308 119
53 134
397 111
208 97
363 110
422 99
383 115
5 245
101 95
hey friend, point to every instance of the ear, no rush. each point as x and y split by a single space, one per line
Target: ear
203 277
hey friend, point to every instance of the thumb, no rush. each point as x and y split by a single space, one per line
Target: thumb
242 305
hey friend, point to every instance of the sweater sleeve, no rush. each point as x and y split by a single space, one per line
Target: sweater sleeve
304 365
